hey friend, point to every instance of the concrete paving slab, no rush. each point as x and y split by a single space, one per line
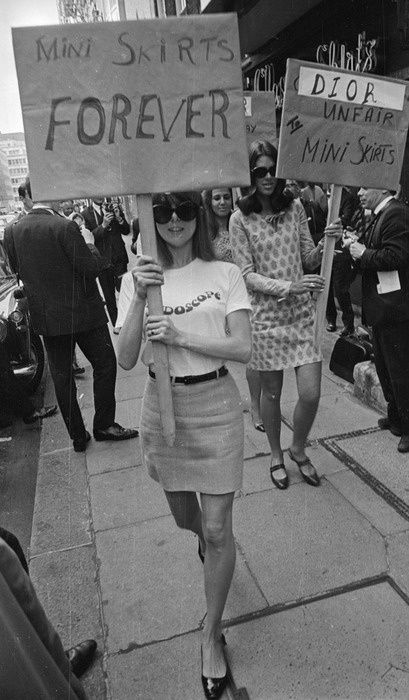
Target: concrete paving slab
124 497
166 671
377 453
152 584
61 509
65 584
257 476
375 509
350 646
107 456
337 413
398 556
305 540
54 435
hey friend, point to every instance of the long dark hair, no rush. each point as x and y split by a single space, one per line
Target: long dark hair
211 219
280 199
201 245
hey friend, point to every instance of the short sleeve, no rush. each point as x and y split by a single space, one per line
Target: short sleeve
125 298
237 294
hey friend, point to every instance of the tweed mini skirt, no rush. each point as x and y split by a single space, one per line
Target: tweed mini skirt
207 456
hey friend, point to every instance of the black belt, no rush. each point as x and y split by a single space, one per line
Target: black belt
196 378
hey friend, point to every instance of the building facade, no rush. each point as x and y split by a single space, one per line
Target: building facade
14 167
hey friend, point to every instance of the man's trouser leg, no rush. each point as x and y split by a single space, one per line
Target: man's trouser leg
97 347
391 351
59 350
107 282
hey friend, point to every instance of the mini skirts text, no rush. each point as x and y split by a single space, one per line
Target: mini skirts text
207 456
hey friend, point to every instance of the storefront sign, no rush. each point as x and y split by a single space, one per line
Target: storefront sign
132 107
260 116
362 59
343 128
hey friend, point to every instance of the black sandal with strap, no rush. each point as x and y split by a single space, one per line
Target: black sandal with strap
279 483
311 479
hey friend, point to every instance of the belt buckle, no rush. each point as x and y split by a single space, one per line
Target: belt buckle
188 379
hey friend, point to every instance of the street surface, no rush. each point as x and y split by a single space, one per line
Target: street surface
318 606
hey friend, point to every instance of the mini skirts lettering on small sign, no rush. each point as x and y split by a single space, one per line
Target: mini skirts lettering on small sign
207 456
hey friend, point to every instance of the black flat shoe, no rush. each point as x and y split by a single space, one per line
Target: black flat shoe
44 412
311 479
279 483
81 656
213 688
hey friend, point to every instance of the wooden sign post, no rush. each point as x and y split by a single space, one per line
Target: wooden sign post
345 128
134 107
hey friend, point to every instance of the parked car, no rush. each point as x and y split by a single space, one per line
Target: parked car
24 347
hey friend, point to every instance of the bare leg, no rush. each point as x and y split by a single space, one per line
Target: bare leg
271 385
185 509
253 380
218 572
309 388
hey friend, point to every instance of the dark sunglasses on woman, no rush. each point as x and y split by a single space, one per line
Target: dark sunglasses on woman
186 211
262 171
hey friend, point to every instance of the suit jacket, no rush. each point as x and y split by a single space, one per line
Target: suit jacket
387 243
108 240
58 270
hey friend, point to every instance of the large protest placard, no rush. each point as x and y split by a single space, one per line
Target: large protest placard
342 127
132 107
260 116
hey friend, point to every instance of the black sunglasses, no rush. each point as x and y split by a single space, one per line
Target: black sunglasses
262 171
186 211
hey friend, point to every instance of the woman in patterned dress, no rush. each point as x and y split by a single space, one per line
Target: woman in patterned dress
218 205
272 246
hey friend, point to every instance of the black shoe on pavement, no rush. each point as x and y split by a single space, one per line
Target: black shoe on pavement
81 656
346 331
44 412
116 432
81 445
279 482
331 327
385 424
403 445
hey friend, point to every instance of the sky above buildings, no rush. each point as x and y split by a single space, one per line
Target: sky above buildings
17 13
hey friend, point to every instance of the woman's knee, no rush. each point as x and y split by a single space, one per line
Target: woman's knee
217 532
310 396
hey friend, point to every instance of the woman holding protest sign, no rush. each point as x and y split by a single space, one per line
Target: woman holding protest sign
272 245
201 296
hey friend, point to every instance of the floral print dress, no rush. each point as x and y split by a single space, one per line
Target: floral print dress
273 251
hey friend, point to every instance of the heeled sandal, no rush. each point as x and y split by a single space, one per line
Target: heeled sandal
280 483
311 479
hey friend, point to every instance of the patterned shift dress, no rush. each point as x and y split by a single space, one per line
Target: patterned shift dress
272 252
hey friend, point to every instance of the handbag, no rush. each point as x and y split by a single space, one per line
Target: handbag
347 352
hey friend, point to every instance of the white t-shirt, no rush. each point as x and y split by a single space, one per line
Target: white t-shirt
198 297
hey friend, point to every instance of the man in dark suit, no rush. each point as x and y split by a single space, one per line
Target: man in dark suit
58 270
384 263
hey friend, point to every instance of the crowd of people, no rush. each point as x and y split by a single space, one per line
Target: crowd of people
239 283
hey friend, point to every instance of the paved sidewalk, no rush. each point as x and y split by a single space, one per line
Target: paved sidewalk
318 607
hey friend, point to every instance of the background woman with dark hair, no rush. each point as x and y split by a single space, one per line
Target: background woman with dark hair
272 245
200 296
218 205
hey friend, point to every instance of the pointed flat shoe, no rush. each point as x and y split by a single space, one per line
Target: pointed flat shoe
280 483
311 479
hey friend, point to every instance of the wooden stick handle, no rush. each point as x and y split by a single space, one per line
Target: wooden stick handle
326 264
155 305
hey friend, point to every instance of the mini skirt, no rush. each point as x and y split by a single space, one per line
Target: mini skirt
207 456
